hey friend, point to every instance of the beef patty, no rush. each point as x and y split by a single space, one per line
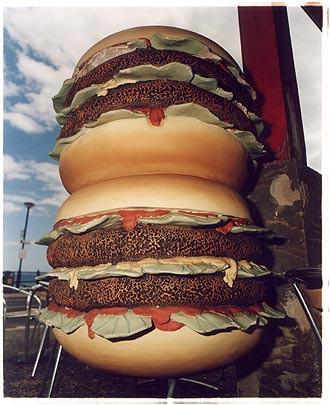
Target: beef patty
152 290
114 245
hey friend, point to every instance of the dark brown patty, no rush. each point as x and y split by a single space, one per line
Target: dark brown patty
152 290
150 56
149 241
155 93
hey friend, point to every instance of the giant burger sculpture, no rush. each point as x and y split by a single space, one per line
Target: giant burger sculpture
157 265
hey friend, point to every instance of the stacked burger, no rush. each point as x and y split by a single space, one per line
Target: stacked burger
157 265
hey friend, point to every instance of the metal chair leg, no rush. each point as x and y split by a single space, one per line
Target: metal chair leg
203 384
49 363
26 337
43 338
58 357
36 326
171 382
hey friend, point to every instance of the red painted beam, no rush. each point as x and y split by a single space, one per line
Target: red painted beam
268 63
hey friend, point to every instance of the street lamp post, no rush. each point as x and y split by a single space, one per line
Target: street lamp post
19 272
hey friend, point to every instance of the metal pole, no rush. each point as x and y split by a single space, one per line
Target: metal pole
19 271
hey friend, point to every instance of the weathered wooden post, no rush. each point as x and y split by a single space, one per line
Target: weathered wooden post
287 196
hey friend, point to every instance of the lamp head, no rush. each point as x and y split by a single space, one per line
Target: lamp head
29 204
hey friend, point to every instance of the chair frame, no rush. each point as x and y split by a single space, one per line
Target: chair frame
31 297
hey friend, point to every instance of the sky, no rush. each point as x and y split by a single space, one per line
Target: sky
41 48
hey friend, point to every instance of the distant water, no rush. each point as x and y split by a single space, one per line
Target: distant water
27 277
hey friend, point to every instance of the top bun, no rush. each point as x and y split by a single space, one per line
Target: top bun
146 32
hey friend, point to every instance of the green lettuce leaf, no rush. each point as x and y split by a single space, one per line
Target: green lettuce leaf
254 270
120 326
61 321
237 73
188 45
211 322
210 84
255 148
59 98
271 312
206 322
196 111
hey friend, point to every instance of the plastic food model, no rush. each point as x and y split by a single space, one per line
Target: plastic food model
157 265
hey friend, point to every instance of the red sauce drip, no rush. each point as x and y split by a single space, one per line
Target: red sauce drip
170 326
130 217
147 41
155 114
161 316
225 228
89 319
255 308
229 226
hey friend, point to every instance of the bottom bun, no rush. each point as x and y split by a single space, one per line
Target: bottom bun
159 353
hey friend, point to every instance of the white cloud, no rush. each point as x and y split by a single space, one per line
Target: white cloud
22 122
10 207
11 243
15 202
11 89
48 189
55 199
306 43
40 83
64 37
34 70
19 198
47 174
44 172
14 170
